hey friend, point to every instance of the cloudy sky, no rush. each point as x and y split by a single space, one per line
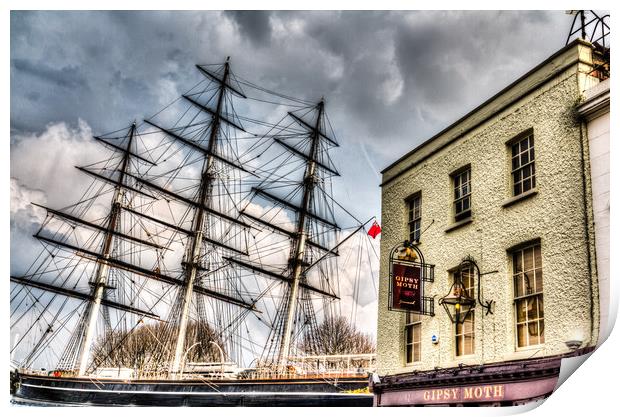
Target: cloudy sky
390 80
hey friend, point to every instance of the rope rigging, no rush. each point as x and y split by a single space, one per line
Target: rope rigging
188 203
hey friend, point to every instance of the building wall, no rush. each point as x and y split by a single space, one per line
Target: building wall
598 135
596 109
555 215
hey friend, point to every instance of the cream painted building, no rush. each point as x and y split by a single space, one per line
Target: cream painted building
508 186
594 111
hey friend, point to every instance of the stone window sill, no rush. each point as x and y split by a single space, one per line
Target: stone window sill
523 196
459 224
525 352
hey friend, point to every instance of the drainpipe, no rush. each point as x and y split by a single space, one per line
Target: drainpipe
586 223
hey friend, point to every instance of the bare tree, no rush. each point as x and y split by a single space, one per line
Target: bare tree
137 348
336 336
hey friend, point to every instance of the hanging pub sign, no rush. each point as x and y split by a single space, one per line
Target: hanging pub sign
406 287
408 273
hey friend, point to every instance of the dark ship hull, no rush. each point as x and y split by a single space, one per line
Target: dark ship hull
202 393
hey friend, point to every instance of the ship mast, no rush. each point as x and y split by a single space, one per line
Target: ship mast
194 252
309 182
214 223
103 268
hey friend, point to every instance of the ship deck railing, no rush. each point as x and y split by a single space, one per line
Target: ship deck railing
300 367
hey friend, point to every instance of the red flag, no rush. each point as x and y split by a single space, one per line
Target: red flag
374 230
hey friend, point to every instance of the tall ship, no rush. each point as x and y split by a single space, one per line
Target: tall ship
203 265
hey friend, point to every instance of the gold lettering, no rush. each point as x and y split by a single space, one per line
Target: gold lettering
468 394
426 395
446 394
498 391
455 393
478 392
487 391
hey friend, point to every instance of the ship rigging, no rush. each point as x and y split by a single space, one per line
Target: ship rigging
206 237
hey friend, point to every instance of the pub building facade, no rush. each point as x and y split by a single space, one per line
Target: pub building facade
488 256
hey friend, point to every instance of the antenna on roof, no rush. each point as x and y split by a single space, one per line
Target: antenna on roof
598 33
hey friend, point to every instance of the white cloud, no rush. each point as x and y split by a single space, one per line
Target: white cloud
46 161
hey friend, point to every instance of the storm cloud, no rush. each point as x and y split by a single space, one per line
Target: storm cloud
391 79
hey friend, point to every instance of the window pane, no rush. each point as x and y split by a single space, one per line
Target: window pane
536 339
469 325
525 158
517 262
413 337
465 332
541 310
528 258
521 310
532 309
468 347
517 188
414 218
519 285
462 188
521 335
533 333
529 309
539 281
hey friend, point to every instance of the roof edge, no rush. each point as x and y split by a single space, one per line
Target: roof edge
559 52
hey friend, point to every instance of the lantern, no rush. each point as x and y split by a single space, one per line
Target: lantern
457 303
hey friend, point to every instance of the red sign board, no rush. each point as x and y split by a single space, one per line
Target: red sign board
517 391
406 287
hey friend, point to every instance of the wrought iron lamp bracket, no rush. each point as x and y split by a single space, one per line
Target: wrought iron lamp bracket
486 305
458 297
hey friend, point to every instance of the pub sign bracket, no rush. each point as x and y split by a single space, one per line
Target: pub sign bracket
408 274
